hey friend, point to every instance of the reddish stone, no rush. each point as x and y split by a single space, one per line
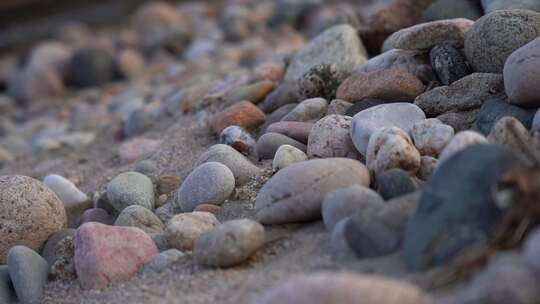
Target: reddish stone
108 254
244 114
293 129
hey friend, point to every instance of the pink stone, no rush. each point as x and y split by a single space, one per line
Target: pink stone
294 129
137 148
108 254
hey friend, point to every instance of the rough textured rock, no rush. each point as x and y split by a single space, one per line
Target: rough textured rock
461 120
48 252
184 229
338 107
431 136
244 114
28 272
131 188
308 110
269 143
287 155
320 81
330 137
449 64
493 5
140 217
521 75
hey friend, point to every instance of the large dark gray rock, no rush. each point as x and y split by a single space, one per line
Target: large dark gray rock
495 109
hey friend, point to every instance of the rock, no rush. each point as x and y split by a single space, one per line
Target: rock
493 5
449 64
343 287
35 82
131 188
148 168
277 115
495 109
401 115
269 71
521 73
244 114
137 148
295 194
287 155
209 183
28 272
208 208
427 167
426 35
388 85
338 107
241 167
461 120
431 136
97 215
163 261
330 137
461 141
395 182
341 203
129 63
7 293
338 46
468 93
90 67
75 201
167 184
391 147
448 9
109 254
320 81
366 104
239 139
229 244
140 217
531 250
5 157
294 129
285 93
185 228
64 266
51 55
308 110
504 133
254 93
456 209
495 36
30 213
166 212
139 121
49 249
269 143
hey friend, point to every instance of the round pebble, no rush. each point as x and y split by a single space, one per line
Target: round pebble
431 136
131 188
140 217
185 228
287 155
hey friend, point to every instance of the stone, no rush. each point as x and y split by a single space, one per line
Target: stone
285 93
244 114
511 133
163 261
269 143
167 184
344 287
184 229
51 55
391 85
461 120
97 215
427 167
448 9
49 249
64 267
75 201
338 45
129 63
241 167
457 208
137 148
366 104
401 115
131 188
320 81
109 254
426 35
30 213
338 107
28 272
330 137
296 193
272 71
395 182
91 67
139 121
140 217
521 73
254 93
468 93
493 5
229 244
35 82
208 208
296 130
389 148
531 250
148 168
287 155
7 293
431 136
341 203
277 115
495 109
239 139
461 141
496 35
209 183
449 64
309 110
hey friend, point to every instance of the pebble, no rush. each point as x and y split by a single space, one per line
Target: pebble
129 63
461 141
285 93
269 143
49 249
449 63
401 115
521 75
64 266
269 71
97 215
296 130
209 183
426 35
241 167
277 115
164 261
395 182
254 93
5 156
239 139
131 188
427 167
495 109
468 93
287 155
391 147
410 61
75 201
7 293
148 168
109 254
448 9
341 203
309 110
167 184
28 272
431 136
244 114
460 120
495 36
184 229
457 209
139 121
391 85
295 194
338 45
154 21
33 214
320 81
90 67
229 244
493 5
344 287
208 208
33 83
504 133
137 148
330 137
531 250
338 107
140 217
